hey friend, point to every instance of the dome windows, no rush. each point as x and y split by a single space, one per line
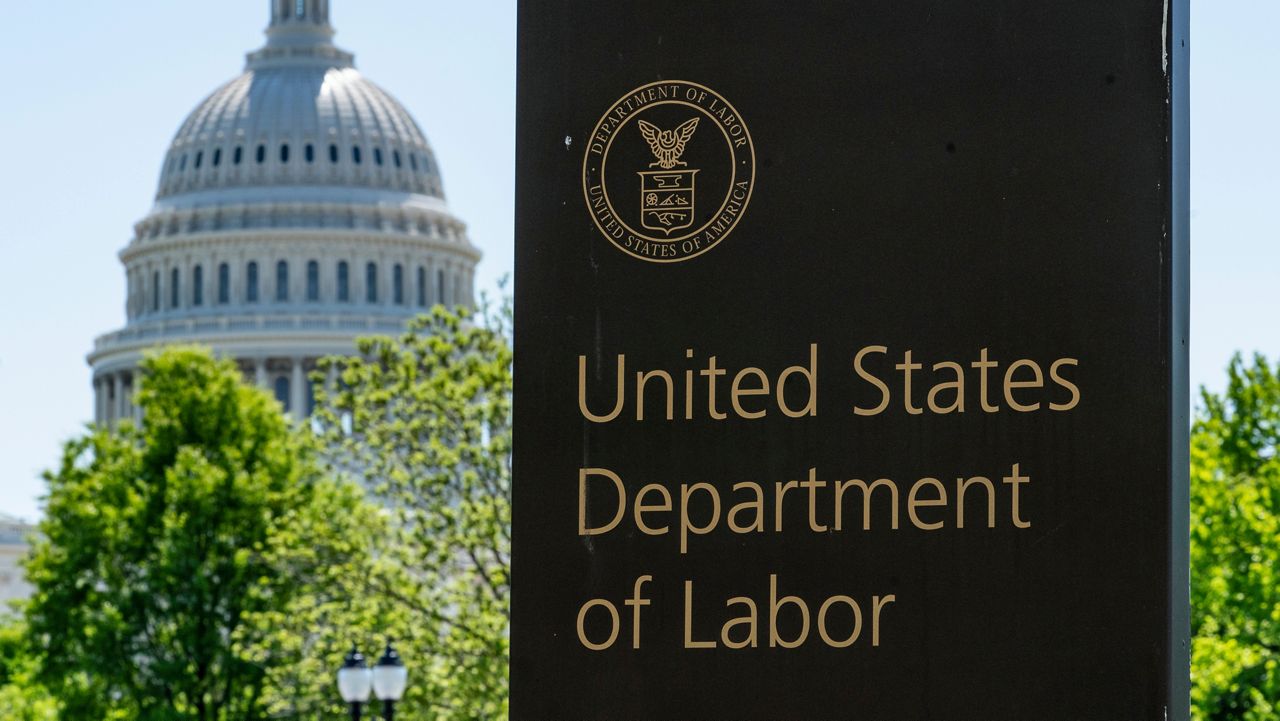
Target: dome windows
284 152
175 298
371 282
282 391
155 292
344 282
197 286
282 281
422 287
313 281
323 109
251 283
397 284
224 284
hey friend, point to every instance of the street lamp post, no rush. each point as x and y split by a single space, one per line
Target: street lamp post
355 680
389 680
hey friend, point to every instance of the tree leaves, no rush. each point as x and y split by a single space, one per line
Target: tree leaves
216 563
151 558
423 423
1235 548
22 697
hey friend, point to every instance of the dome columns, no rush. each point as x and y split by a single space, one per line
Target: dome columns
293 273
114 398
286 378
312 12
297 385
299 24
260 372
283 375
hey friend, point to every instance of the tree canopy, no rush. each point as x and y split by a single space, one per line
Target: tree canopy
156 551
423 422
1235 548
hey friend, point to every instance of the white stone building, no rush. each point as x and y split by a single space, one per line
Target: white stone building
299 207
13 548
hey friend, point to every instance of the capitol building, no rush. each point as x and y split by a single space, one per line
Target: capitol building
299 207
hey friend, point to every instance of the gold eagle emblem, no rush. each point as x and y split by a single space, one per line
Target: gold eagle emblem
668 145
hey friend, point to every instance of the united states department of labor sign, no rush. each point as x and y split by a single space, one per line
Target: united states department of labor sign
892 427
668 171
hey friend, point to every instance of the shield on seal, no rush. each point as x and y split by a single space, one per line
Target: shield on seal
666 199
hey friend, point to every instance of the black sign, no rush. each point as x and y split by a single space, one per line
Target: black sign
850 377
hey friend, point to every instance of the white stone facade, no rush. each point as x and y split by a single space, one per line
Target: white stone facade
13 549
299 207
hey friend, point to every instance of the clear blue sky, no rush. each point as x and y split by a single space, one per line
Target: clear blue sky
94 92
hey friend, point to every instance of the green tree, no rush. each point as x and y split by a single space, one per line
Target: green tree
156 550
423 422
330 553
1235 548
22 697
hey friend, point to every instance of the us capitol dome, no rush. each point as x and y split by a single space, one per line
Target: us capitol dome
299 207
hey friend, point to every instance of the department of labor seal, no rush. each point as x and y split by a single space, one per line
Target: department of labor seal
668 171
